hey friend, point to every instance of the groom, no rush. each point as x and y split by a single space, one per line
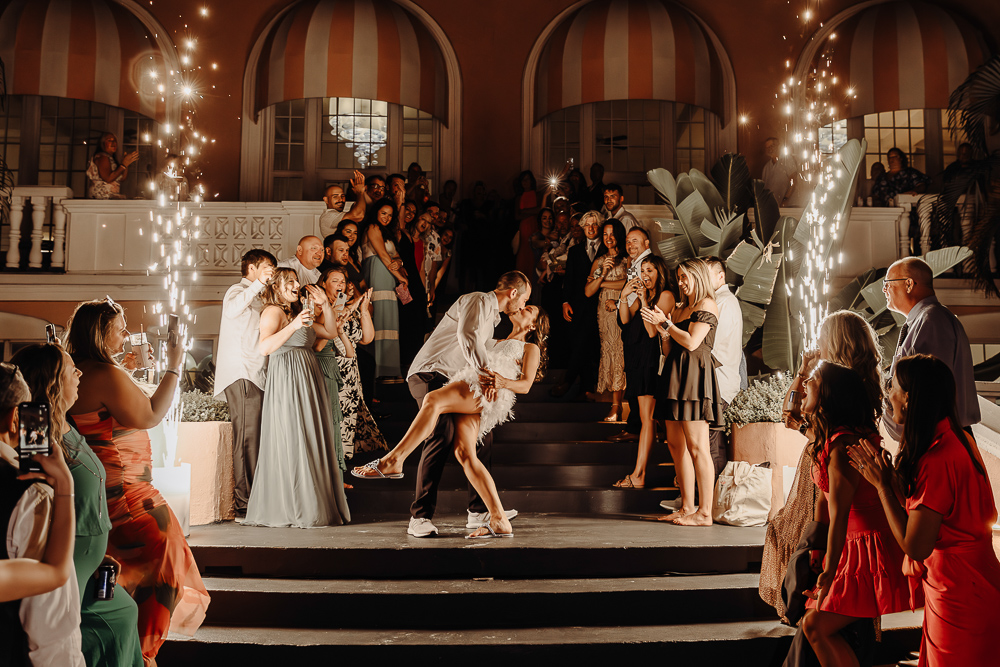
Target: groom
459 340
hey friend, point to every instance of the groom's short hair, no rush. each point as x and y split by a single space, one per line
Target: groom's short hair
513 280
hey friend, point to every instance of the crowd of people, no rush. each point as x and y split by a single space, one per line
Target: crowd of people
862 533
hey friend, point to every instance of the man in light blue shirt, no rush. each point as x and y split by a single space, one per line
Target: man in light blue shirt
930 328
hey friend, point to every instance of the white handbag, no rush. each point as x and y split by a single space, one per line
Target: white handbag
743 494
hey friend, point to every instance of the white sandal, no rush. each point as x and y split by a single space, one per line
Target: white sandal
373 465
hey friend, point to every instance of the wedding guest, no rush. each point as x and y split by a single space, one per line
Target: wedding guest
579 309
687 393
358 430
930 328
338 253
383 270
614 206
862 573
104 173
309 255
339 209
112 413
728 351
779 173
326 356
642 353
637 247
939 504
595 194
349 229
845 339
413 320
109 628
609 281
39 601
527 205
297 433
900 178
240 369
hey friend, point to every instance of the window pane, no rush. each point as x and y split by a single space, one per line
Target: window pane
619 109
917 141
916 118
901 118
652 132
280 157
697 135
296 157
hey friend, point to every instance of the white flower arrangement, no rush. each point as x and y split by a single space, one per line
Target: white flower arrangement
197 406
759 402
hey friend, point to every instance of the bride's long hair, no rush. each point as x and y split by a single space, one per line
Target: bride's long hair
540 337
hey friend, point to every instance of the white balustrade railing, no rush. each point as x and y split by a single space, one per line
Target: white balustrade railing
47 203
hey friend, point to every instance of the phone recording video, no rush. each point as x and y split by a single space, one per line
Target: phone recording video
50 334
34 432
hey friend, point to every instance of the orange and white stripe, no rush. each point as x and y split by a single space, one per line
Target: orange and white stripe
369 49
904 55
628 49
94 50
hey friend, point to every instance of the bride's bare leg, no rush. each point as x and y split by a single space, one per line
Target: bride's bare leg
466 436
455 397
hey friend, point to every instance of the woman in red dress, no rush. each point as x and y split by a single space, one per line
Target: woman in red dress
862 571
946 526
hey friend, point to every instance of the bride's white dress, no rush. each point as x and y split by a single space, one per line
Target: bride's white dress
504 359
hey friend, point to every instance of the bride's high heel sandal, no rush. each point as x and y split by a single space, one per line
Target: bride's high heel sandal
616 413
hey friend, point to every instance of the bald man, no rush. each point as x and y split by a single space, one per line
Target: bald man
308 256
338 208
930 328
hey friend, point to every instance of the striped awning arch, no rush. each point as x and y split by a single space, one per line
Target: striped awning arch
368 49
903 55
95 50
629 49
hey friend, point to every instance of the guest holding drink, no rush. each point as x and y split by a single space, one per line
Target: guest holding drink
298 482
607 278
112 413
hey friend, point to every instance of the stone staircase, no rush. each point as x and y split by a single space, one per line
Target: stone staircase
590 574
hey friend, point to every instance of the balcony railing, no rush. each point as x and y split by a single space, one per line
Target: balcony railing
46 225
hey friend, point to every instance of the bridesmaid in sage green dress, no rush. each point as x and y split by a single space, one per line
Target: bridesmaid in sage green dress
109 628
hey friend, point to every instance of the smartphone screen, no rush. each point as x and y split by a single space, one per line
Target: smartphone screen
50 333
34 431
341 300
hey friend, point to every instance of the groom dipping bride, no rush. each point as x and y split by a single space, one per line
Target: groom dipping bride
464 383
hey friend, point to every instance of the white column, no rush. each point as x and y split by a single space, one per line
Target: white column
904 228
38 204
16 215
58 233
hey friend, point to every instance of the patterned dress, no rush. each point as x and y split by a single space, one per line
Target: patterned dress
386 310
358 431
611 375
97 187
158 568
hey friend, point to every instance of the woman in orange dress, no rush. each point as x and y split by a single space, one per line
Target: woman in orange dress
862 575
946 526
112 413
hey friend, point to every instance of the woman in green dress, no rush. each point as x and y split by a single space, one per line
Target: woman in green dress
109 628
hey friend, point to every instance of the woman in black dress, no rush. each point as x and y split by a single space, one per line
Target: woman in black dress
687 393
413 315
654 287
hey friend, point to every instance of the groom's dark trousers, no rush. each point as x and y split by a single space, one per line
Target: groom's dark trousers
436 451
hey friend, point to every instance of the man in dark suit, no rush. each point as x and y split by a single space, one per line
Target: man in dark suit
579 310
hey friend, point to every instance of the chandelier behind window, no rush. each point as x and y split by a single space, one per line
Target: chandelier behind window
361 126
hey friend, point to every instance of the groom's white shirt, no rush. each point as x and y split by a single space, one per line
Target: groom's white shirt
461 338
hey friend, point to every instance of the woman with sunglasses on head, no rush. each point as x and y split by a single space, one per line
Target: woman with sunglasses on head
940 507
862 569
109 628
112 413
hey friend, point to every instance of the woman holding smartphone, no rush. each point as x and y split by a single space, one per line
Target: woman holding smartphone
297 482
112 413
109 627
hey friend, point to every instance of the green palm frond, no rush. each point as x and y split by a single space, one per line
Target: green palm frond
974 106
732 175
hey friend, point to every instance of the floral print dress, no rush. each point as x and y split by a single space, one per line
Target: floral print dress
358 431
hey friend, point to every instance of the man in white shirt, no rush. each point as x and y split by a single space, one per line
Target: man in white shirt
309 255
459 340
637 247
614 206
46 629
728 351
240 368
338 208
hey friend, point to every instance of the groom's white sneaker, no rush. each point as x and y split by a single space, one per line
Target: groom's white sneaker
421 527
480 520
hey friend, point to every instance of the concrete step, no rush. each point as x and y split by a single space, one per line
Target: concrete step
543 546
484 603
531 475
388 500
523 411
748 643
524 431
567 452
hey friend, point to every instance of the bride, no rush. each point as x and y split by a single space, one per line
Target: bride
484 400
